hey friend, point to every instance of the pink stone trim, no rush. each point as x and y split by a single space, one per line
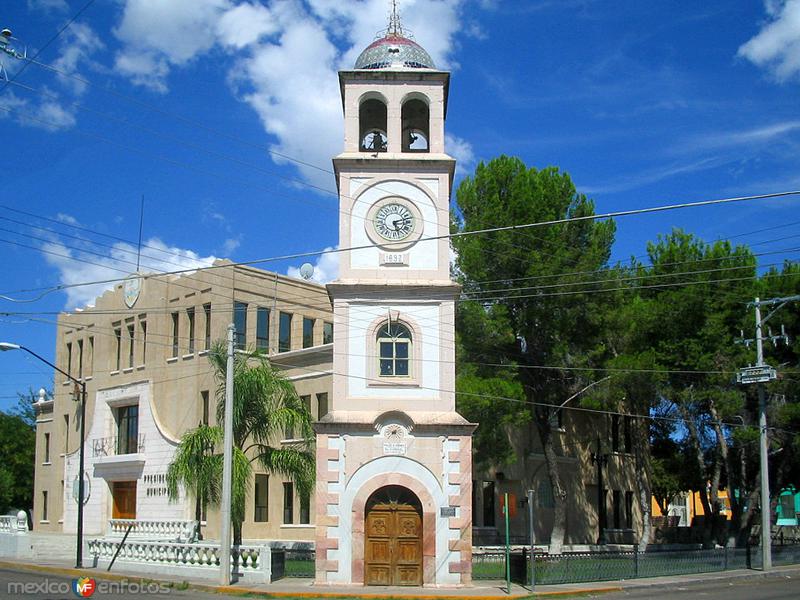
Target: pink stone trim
428 523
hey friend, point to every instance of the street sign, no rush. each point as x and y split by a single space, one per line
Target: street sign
760 374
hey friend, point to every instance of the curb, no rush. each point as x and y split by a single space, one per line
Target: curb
243 591
788 571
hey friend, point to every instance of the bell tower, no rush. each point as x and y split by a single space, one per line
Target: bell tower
394 459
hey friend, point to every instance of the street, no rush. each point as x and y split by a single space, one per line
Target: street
772 588
42 586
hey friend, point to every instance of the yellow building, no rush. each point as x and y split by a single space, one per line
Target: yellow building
141 350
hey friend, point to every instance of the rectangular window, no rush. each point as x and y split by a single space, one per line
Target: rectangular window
285 332
628 510
90 358
306 401
262 329
207 312
47 447
190 316
66 434
80 359
44 505
205 407
394 358
322 405
262 499
131 346
143 327
305 511
118 339
175 332
288 503
615 433
308 332
488 503
69 358
617 502
128 429
627 434
327 333
240 323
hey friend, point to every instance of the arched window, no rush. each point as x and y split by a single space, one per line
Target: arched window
416 126
372 126
394 350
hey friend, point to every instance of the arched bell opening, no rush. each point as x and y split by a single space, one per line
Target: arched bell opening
416 126
393 537
372 116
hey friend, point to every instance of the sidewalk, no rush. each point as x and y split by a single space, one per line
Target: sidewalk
482 590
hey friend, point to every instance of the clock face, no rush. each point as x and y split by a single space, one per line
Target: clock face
393 222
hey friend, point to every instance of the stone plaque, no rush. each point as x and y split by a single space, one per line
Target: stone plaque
394 448
447 511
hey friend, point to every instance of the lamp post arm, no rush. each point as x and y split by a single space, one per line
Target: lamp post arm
47 362
579 392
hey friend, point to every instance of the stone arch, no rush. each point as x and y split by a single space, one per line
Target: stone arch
416 123
372 123
428 523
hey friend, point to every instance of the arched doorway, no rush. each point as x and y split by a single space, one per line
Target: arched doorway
393 537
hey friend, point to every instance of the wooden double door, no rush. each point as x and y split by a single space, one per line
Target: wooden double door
393 538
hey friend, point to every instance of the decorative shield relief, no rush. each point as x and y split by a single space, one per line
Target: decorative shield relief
132 288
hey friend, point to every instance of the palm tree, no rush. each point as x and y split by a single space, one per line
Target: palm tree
265 405
196 468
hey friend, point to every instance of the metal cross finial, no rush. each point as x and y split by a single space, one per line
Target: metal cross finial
395 27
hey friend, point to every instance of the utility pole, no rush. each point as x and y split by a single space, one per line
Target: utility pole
227 469
766 529
759 374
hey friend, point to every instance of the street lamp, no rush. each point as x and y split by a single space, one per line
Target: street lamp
6 346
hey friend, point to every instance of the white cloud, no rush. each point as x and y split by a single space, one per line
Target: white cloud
246 24
47 114
77 266
65 218
636 180
752 136
286 54
78 44
48 5
156 34
461 150
777 46
326 269
52 110
230 245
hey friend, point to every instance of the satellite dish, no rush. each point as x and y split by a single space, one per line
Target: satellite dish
307 271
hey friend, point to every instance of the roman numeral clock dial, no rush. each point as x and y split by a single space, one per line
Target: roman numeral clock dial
394 222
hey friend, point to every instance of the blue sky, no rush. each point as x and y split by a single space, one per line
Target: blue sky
194 105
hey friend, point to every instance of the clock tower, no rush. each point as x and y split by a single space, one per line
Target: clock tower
394 458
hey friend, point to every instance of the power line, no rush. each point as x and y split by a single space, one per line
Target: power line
485 231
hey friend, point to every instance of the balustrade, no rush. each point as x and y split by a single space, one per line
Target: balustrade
202 555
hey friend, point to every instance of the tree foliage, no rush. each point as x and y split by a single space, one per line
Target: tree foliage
518 315
265 405
17 454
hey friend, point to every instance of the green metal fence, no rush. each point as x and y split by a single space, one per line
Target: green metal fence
581 567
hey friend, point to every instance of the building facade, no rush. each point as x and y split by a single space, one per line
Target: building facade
142 351
393 496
